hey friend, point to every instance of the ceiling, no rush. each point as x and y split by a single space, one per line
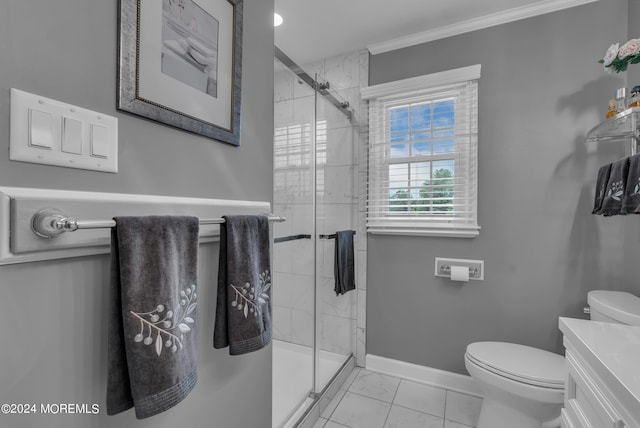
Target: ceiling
317 29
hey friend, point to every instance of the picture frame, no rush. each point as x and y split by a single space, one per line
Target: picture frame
180 64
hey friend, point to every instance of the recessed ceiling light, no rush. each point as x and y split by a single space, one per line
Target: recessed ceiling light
277 20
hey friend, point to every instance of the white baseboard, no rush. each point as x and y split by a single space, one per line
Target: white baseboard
435 377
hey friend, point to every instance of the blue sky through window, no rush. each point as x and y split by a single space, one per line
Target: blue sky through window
418 130
422 129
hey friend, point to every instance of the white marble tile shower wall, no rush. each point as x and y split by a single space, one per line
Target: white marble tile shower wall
282 84
339 166
338 142
293 295
293 185
361 149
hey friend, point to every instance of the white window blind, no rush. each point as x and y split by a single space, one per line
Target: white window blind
422 176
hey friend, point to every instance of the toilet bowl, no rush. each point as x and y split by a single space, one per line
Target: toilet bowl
523 386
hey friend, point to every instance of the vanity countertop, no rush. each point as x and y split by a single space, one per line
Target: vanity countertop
613 350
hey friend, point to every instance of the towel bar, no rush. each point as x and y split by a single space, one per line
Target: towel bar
290 238
50 222
332 236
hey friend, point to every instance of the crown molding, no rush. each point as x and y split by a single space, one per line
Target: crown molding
503 17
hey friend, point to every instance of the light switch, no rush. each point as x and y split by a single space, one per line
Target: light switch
99 141
51 132
71 136
40 131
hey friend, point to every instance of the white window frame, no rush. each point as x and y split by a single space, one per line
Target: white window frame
381 98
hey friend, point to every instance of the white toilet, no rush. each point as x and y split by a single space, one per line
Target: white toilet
524 387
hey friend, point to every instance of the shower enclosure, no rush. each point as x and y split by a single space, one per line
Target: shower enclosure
315 188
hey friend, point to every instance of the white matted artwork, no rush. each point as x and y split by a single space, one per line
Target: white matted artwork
180 64
190 45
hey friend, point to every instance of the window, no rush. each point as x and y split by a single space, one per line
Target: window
423 155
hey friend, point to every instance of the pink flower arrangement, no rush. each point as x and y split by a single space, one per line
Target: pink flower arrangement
618 58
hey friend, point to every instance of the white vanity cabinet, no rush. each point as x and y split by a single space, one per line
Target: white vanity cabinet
602 389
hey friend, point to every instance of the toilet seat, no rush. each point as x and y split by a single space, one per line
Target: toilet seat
519 363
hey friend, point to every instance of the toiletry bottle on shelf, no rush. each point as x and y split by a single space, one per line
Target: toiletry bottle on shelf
621 100
612 109
634 98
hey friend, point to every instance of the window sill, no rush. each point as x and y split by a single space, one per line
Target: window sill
440 233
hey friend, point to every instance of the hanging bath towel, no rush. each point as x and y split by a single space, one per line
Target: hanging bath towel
601 186
631 198
612 202
243 309
152 313
343 268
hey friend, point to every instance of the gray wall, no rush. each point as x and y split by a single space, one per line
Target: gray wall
633 72
541 90
53 314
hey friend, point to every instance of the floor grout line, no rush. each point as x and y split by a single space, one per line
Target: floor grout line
366 396
446 396
419 411
391 404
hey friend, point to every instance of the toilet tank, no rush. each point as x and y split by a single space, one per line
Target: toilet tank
614 306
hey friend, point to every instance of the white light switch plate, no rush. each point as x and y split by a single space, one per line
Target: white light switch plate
23 106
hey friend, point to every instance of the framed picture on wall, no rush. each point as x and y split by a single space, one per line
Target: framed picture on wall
180 64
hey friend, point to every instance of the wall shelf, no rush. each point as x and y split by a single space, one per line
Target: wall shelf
624 126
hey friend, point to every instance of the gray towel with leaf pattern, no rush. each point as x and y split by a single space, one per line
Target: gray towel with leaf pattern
631 198
243 309
612 202
152 313
601 186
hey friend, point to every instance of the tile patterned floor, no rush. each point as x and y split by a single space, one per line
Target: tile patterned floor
373 400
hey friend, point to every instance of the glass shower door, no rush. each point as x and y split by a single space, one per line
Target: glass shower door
314 161
335 211
293 249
